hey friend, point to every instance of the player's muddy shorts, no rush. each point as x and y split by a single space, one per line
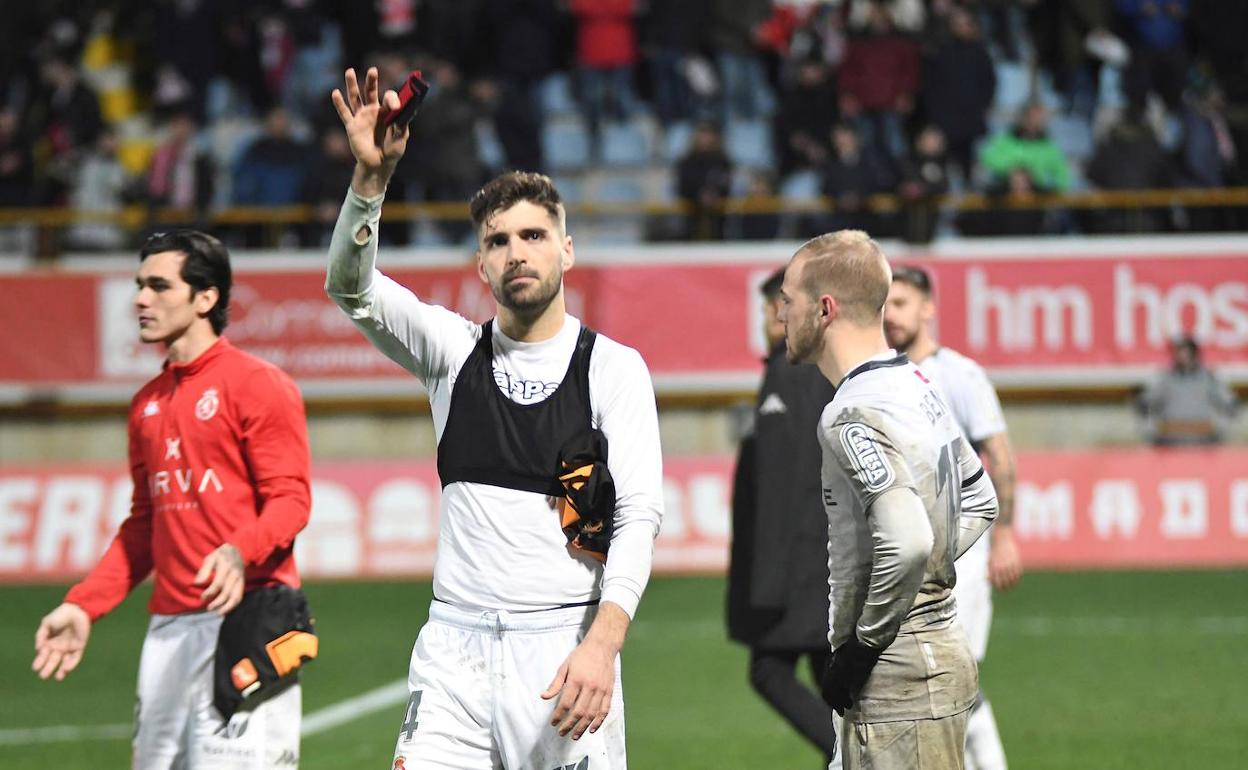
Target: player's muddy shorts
930 744
178 728
475 686
913 710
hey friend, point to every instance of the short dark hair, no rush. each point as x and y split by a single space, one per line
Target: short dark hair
504 191
770 288
206 265
914 276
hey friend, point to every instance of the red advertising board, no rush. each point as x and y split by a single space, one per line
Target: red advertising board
1087 509
1034 313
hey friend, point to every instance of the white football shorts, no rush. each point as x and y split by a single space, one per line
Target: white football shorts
176 725
475 686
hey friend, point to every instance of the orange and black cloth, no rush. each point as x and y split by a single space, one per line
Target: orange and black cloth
263 643
587 510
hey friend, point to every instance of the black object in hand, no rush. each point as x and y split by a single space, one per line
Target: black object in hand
847 673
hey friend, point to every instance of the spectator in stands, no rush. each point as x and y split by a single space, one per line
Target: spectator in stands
523 33
187 52
99 186
1186 404
180 176
959 84
1004 21
879 80
762 224
70 121
673 34
805 118
1026 145
1207 151
1129 157
450 30
1061 29
1014 208
1158 50
396 23
606 56
704 181
322 188
853 173
1208 156
924 178
744 88
271 170
448 167
908 16
16 165
314 61
239 50
1216 28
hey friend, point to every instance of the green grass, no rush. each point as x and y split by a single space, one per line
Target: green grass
1085 670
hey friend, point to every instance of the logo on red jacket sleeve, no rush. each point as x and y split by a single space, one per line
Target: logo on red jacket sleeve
206 406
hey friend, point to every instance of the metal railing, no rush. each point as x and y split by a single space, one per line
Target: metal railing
137 218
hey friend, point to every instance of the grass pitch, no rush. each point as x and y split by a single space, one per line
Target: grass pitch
1085 670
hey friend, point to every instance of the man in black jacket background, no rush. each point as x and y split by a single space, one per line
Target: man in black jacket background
778 576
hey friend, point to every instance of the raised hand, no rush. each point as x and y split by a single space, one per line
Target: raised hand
377 148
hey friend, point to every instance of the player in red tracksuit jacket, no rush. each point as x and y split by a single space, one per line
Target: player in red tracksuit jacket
219 457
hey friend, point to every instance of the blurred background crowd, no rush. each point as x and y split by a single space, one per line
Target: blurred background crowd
696 119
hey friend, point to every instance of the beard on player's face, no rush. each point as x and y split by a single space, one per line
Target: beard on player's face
802 336
900 338
532 294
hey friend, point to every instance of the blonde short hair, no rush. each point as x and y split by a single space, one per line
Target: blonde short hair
850 266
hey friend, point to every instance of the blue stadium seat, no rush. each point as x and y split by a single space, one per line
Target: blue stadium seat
1073 134
565 144
489 149
570 188
749 142
799 186
616 188
1111 88
625 144
676 141
557 97
1013 86
226 141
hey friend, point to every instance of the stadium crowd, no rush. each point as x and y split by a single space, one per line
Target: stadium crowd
199 105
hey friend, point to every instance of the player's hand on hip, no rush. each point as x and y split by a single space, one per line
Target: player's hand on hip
586 680
60 641
376 146
224 567
1005 565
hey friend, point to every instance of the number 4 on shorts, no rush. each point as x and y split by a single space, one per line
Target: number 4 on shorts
409 720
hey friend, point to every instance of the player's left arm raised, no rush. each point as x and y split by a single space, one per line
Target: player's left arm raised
1005 564
275 445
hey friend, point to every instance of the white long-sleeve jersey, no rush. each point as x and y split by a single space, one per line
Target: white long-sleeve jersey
887 429
501 548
